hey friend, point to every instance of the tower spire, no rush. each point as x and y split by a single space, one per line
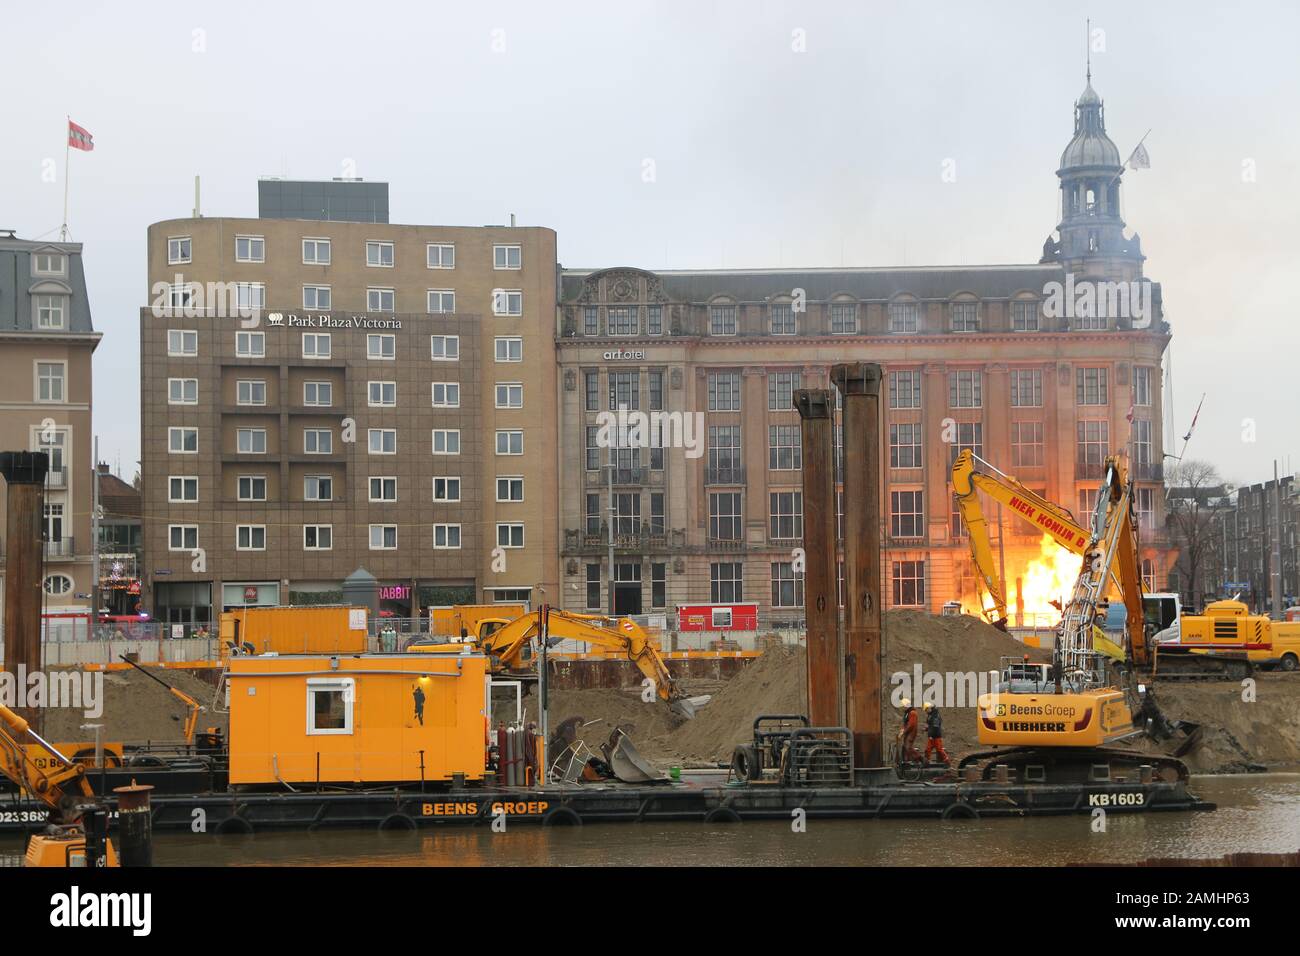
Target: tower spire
1087 48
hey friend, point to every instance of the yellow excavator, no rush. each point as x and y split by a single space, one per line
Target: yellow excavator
1170 660
1044 515
508 643
1058 720
61 785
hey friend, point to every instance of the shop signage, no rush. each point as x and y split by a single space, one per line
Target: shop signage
396 592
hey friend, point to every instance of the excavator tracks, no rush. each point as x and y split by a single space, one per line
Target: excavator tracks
1073 765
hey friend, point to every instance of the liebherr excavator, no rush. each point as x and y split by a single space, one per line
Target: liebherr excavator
1169 660
1057 721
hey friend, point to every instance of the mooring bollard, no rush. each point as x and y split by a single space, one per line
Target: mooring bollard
135 824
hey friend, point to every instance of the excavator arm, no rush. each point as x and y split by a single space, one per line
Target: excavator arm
626 637
1112 554
61 787
192 717
1047 517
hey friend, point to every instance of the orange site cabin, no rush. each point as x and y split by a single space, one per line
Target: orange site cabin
353 718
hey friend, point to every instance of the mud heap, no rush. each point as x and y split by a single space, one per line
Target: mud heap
137 709
775 683
1236 736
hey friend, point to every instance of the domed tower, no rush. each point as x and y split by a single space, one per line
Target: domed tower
1091 232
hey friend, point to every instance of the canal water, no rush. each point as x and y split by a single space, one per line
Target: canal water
1257 813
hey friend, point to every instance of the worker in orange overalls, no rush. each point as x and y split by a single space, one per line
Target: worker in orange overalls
907 752
934 733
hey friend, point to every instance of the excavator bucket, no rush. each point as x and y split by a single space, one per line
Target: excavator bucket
626 762
687 707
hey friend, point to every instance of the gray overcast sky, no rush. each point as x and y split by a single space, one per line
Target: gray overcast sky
763 156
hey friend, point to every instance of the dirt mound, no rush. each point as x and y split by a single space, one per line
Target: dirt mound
773 684
1238 735
776 683
137 709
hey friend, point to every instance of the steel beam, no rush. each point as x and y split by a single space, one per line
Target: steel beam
859 386
821 602
24 473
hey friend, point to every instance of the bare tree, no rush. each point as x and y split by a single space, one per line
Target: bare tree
1193 491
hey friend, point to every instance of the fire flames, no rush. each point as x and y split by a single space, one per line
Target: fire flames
1044 577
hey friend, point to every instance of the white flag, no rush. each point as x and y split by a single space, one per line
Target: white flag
1139 159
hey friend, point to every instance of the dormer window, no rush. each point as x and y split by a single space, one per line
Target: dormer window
50 311
965 316
904 317
49 264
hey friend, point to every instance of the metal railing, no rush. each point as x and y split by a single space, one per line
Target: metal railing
629 476
725 475
60 548
1089 469
56 478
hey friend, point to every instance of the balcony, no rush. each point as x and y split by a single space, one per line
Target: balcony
1089 470
725 544
1148 471
578 541
628 476
724 475
56 478
59 549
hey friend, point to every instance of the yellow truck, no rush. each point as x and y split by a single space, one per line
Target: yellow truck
1230 625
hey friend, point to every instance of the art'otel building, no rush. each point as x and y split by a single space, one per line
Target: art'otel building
973 351
392 412
46 344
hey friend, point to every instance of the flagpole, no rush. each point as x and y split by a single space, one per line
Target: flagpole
67 155
1130 158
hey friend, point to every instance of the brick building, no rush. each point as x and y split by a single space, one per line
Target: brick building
1043 369
390 407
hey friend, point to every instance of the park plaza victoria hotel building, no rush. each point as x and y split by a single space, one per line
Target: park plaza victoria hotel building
974 357
390 412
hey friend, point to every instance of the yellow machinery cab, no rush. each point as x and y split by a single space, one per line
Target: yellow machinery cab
1229 625
1026 711
63 849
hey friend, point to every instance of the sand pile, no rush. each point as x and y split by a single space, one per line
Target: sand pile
776 684
136 709
1236 736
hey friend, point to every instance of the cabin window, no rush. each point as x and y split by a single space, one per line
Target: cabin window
329 705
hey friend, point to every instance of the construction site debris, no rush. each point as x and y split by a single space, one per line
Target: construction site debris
137 709
1236 737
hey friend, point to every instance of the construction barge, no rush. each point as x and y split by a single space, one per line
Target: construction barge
697 798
